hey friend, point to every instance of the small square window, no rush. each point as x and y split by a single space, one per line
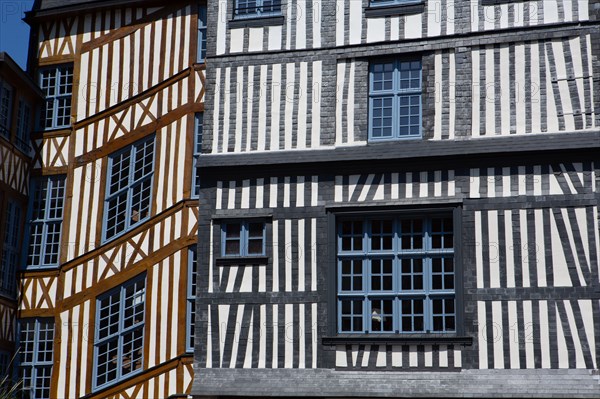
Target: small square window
243 238
256 8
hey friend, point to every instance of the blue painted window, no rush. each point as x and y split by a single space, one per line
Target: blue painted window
129 188
57 84
45 222
6 99
201 33
245 238
24 126
191 297
374 3
36 341
119 340
396 275
256 8
10 249
395 100
197 151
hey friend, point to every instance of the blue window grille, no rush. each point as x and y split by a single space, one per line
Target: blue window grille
191 297
201 33
243 238
119 341
396 275
36 340
395 100
45 222
197 151
23 126
256 8
129 188
57 84
374 3
6 98
10 249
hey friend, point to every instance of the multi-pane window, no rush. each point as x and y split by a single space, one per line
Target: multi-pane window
6 98
201 33
256 8
45 224
57 84
24 126
243 238
396 275
391 2
119 341
10 249
129 187
395 100
36 340
191 297
197 151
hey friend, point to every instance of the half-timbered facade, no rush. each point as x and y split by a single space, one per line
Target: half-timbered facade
400 198
19 100
108 266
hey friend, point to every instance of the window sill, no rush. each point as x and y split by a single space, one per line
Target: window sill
382 339
396 9
242 260
256 22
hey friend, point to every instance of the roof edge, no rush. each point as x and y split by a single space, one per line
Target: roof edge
7 60
36 15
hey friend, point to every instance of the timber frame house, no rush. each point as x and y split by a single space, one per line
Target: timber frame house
400 199
104 306
383 198
19 98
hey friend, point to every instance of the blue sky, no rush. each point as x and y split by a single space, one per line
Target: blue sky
14 33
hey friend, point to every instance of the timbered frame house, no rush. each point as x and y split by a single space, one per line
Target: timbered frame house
105 307
19 99
400 198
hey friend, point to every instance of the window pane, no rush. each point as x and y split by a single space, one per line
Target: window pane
412 274
352 315
351 275
352 236
382 315
382 275
232 247
412 315
382 234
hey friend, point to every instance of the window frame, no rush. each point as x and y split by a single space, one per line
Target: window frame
257 13
395 93
389 3
192 289
335 336
121 331
6 120
35 364
128 188
243 238
11 248
198 137
202 33
45 221
59 71
23 126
